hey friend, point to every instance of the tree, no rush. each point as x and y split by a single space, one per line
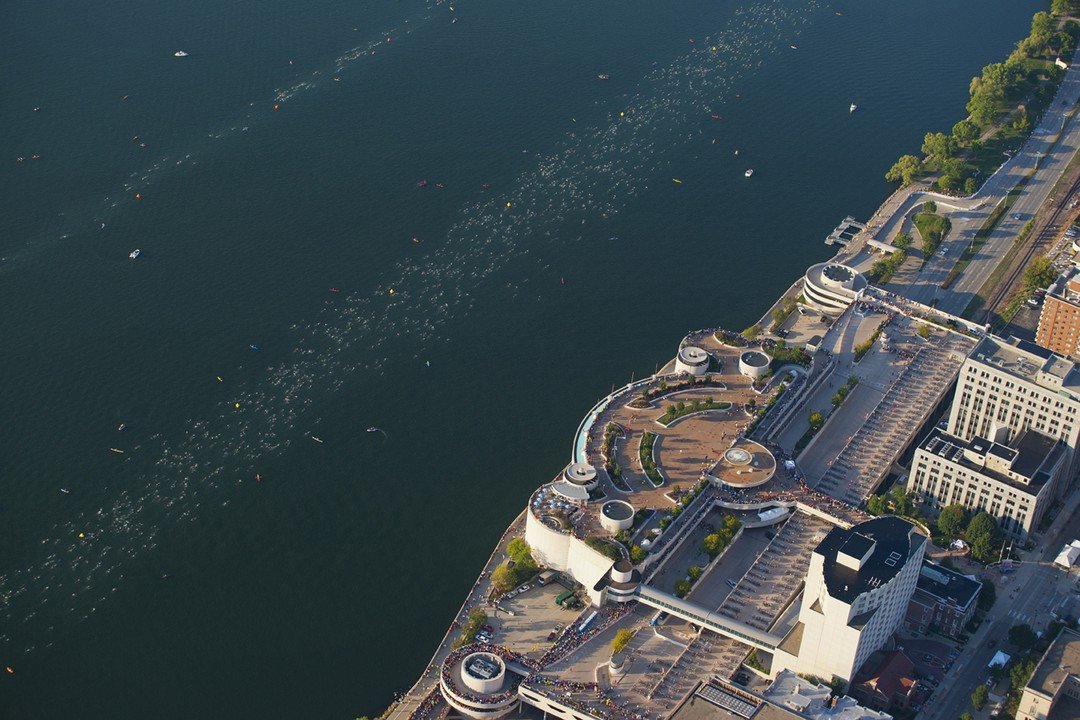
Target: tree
621 640
519 550
902 504
970 186
984 537
1020 673
1060 7
1039 273
903 240
964 132
905 170
979 697
1042 29
694 573
816 420
637 554
937 147
983 105
751 332
682 587
952 520
925 332
875 505
1023 637
503 578
966 716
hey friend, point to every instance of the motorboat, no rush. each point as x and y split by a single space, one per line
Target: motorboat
421 183
135 253
853 108
749 172
603 76
179 53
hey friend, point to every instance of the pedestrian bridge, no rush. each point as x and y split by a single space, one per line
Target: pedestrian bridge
706 618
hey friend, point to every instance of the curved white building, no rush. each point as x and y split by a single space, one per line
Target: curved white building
616 515
581 474
831 287
474 682
692 360
754 364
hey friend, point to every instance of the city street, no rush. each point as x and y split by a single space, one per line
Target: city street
1028 596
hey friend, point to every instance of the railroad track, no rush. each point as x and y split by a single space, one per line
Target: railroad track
1033 246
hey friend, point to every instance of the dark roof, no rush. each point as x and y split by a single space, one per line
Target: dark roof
1032 348
948 585
893 541
1033 449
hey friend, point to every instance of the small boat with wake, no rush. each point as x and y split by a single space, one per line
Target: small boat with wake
749 172
421 183
180 53
135 253
602 76
853 108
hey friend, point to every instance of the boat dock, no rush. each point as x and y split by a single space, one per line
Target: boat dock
848 228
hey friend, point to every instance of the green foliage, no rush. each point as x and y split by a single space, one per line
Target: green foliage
621 640
882 270
925 331
476 619
966 716
937 147
682 587
694 573
645 453
715 543
679 409
875 505
753 661
1039 274
781 355
519 550
845 389
905 171
965 132
816 420
637 554
952 520
984 537
933 228
864 347
1020 673
782 311
604 547
896 502
979 697
1023 637
751 332
1061 7
903 240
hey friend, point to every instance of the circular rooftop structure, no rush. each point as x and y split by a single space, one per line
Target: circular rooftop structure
475 683
754 364
581 474
616 515
746 464
692 359
738 456
831 287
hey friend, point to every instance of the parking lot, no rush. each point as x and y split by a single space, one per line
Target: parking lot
535 616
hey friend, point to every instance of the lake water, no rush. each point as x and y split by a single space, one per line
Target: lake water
281 159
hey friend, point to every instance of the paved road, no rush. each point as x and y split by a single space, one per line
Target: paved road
968 214
1029 596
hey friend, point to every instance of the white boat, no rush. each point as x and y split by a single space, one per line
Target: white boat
749 172
179 53
853 108
135 253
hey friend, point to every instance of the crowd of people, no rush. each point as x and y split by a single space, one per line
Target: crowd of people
573 637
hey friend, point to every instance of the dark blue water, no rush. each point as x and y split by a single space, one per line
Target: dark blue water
197 591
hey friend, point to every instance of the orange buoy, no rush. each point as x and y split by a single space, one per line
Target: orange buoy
275 106
138 196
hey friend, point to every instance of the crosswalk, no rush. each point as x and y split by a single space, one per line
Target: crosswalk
1022 617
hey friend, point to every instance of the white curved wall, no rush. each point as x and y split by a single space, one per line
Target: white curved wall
613 525
585 564
549 547
484 686
753 371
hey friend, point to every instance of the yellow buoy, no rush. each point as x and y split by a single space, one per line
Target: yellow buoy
622 114
391 291
237 405
507 203
82 535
